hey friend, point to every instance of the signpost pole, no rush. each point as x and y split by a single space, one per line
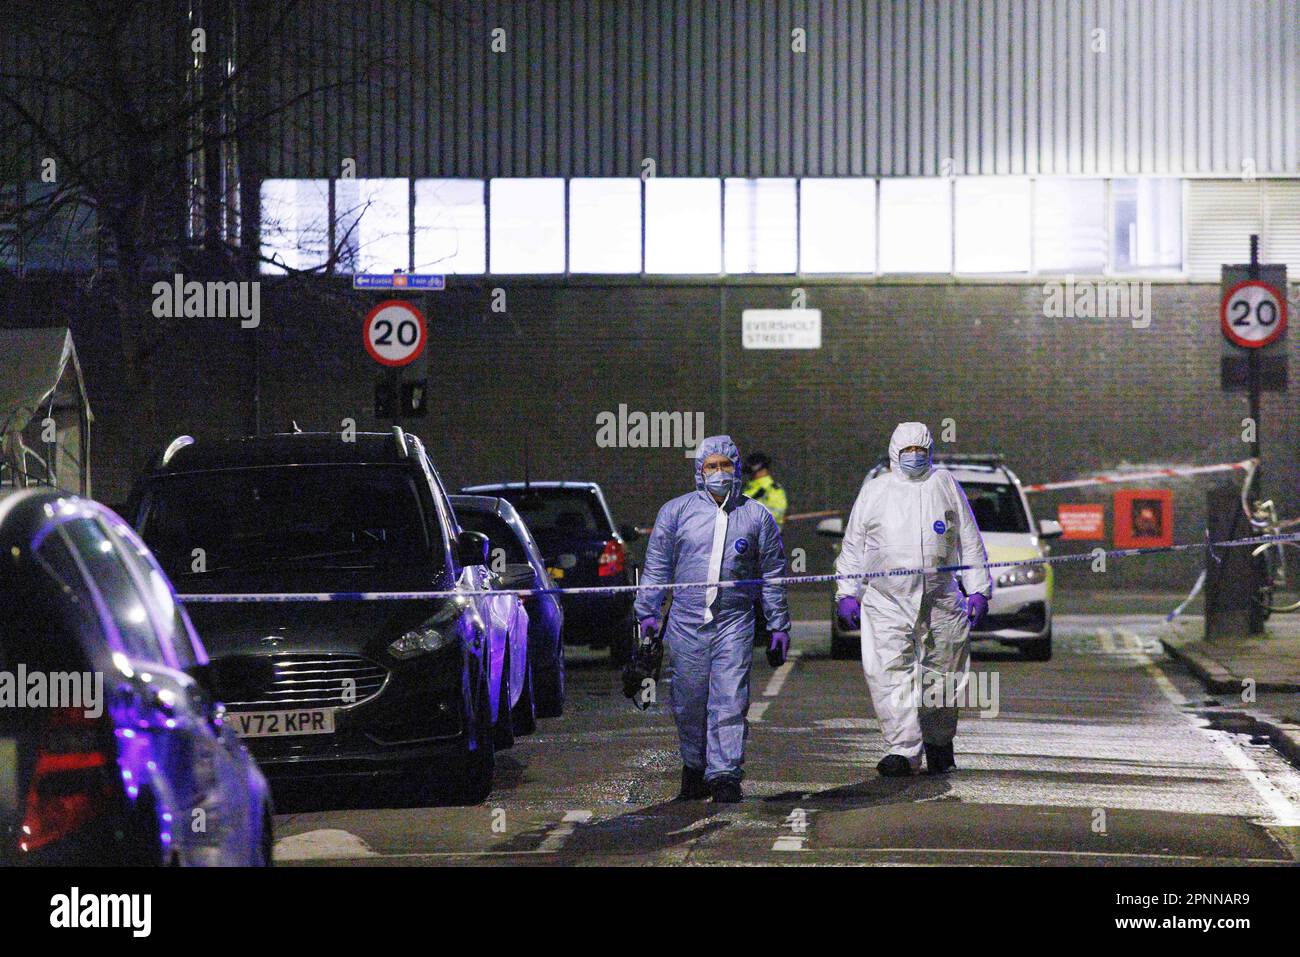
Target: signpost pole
1256 569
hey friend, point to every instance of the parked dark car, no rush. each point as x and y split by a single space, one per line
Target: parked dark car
521 566
126 757
581 546
423 688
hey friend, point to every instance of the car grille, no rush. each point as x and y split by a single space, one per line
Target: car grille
317 681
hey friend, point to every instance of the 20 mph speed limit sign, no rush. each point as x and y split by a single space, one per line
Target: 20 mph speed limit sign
1252 314
395 333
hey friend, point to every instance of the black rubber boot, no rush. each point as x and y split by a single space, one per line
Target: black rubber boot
727 791
939 759
894 766
693 786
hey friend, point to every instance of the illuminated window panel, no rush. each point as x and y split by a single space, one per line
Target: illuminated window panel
527 225
295 221
605 225
837 225
373 231
450 227
683 226
992 220
915 226
761 226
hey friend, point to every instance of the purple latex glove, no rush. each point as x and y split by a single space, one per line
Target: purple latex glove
779 649
977 606
649 626
849 612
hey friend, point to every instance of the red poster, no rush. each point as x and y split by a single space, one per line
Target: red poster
1082 522
1144 517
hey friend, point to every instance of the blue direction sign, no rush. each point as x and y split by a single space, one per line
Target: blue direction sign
399 280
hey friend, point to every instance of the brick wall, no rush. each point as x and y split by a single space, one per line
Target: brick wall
1060 398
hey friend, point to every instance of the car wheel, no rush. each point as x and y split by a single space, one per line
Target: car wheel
477 763
524 718
550 690
1040 649
504 729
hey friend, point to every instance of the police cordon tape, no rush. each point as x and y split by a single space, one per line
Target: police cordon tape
1183 472
220 598
1243 465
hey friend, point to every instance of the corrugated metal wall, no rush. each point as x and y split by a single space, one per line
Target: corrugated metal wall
886 87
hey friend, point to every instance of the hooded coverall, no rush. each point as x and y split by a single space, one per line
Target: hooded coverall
915 628
710 631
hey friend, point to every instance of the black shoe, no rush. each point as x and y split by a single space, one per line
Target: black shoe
693 786
894 766
727 791
939 759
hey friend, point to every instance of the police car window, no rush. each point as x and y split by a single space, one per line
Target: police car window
997 508
126 605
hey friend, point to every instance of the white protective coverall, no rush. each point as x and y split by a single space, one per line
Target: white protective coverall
913 522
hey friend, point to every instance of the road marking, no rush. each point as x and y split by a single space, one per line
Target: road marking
1002 851
797 821
774 686
777 681
1287 815
563 831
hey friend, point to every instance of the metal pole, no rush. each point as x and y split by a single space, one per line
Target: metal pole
1257 612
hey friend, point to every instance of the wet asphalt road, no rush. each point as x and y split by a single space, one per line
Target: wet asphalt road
1108 754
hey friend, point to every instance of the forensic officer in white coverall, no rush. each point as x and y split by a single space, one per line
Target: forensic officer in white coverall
915 628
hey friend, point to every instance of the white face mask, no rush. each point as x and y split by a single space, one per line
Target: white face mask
913 463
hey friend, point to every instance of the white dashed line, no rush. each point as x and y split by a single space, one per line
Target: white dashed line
568 824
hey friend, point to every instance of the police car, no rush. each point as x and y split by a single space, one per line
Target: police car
1020 611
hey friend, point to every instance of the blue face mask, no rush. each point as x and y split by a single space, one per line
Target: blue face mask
913 463
719 483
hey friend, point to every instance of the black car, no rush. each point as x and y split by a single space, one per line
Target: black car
120 753
582 547
518 561
419 687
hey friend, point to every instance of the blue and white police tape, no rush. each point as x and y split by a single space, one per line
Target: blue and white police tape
219 598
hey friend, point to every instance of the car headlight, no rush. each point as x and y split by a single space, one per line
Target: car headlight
1023 575
419 641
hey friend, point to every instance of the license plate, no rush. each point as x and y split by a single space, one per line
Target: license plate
276 724
8 777
556 573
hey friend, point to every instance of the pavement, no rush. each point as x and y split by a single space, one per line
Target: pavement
1110 753
1260 672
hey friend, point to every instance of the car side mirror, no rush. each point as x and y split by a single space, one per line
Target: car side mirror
472 549
831 528
1049 528
629 533
518 576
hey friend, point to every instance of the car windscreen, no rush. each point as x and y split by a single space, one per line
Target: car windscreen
559 512
337 517
997 508
498 532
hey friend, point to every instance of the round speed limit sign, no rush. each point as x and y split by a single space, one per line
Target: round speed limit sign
395 333
1253 314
